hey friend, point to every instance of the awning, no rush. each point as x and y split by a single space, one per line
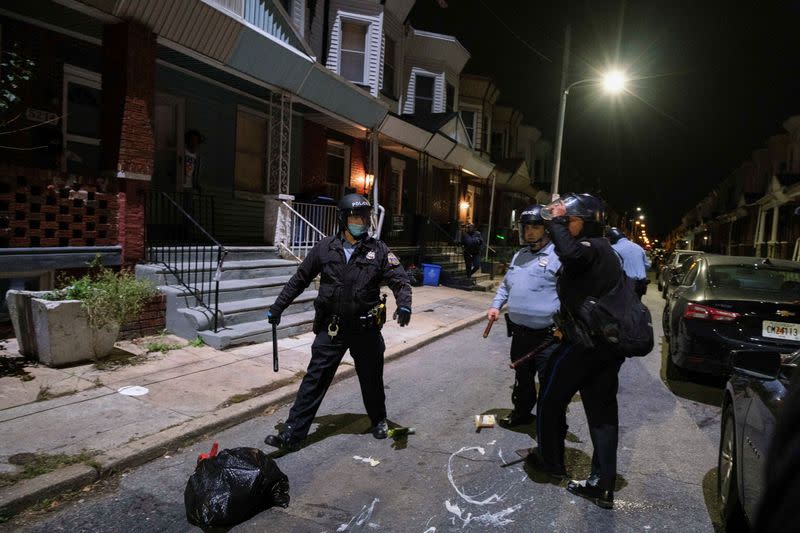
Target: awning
436 144
513 175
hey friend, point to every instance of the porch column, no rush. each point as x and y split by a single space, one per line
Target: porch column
129 67
280 139
762 214
773 239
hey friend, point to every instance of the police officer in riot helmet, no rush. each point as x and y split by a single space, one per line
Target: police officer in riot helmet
349 315
589 268
529 289
634 259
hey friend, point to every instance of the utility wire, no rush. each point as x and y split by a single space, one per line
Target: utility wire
515 34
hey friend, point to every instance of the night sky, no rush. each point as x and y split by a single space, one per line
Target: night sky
714 79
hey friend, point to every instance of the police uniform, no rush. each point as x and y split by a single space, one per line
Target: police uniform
634 262
351 276
589 267
529 289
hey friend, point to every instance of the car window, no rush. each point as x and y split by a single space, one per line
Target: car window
682 258
691 268
757 278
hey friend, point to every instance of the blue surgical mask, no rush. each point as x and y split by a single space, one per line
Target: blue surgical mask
357 230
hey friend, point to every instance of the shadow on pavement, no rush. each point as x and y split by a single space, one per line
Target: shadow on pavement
527 428
710 497
700 388
329 425
578 464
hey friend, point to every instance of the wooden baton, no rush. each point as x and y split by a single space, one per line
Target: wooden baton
488 327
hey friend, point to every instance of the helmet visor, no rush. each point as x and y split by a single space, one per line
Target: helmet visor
554 210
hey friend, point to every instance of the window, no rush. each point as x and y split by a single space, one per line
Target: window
81 125
691 268
423 94
353 56
337 159
451 97
389 59
251 151
468 118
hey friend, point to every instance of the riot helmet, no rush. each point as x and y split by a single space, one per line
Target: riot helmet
614 235
532 216
355 205
584 206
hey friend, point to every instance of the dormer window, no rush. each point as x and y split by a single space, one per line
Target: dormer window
423 94
450 95
353 56
389 67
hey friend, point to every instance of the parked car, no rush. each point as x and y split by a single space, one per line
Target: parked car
677 273
758 386
725 303
675 259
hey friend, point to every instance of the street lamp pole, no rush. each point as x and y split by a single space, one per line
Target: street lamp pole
562 109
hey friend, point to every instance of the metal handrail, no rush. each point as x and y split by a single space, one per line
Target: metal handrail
190 253
282 245
304 219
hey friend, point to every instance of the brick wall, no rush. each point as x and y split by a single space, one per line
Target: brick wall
358 166
41 208
151 320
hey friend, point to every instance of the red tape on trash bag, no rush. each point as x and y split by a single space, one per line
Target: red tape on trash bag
232 486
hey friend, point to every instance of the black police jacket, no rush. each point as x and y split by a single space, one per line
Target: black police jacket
472 242
348 289
589 266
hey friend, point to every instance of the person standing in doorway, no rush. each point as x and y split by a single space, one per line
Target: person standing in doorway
472 241
191 161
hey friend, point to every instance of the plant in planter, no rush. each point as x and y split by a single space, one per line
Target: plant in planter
81 321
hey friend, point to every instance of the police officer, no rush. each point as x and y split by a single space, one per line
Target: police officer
348 316
472 241
529 289
634 259
589 267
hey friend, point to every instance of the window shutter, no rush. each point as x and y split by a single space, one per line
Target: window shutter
438 94
334 47
375 51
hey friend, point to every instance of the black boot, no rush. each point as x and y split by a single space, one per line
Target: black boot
516 418
379 431
588 489
537 462
282 441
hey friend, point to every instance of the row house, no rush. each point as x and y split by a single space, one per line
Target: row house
751 212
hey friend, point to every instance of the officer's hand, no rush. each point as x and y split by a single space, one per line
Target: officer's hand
403 316
493 314
274 316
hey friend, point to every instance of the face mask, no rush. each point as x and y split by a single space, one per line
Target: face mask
357 230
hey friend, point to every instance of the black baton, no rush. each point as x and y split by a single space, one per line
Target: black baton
275 347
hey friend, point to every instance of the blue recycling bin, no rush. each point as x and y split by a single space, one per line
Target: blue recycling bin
430 274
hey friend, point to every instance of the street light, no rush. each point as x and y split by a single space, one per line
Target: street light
612 82
641 217
639 209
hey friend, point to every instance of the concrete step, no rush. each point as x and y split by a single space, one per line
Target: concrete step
241 311
208 253
258 331
162 274
244 289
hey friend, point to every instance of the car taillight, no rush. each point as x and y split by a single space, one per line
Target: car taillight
695 311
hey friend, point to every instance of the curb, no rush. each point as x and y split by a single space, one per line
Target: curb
27 492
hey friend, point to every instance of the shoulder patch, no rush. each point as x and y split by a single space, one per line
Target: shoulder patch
393 260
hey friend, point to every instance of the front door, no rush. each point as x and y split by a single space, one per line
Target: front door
169 129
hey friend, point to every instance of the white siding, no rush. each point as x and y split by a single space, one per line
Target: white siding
299 16
438 86
314 24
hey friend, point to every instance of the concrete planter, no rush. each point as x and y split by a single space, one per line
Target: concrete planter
57 333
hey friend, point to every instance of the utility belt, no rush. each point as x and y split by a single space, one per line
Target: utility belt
514 328
372 320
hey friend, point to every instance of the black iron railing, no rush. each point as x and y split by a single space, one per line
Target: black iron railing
177 239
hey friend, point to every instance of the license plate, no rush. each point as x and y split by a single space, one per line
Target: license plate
781 330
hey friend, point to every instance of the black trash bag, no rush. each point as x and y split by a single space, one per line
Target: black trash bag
233 486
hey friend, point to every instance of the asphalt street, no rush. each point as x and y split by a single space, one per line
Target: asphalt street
448 476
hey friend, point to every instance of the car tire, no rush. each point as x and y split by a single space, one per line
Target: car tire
665 322
673 371
730 507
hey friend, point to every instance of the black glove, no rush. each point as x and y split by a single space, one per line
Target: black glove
274 316
403 316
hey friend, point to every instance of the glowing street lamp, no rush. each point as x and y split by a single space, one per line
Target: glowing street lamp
613 82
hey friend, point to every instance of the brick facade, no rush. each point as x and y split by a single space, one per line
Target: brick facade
41 208
151 321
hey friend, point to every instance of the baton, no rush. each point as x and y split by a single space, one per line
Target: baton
547 343
488 327
275 347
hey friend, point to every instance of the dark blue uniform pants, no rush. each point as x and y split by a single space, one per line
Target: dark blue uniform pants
522 342
595 374
367 349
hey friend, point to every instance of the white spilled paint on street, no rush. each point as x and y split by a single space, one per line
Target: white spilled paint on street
361 518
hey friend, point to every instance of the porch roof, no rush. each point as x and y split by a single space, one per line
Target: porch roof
438 143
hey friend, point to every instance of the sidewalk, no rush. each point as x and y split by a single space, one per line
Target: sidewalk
190 391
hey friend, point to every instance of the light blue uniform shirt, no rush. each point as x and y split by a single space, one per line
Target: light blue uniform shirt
348 250
634 260
529 288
